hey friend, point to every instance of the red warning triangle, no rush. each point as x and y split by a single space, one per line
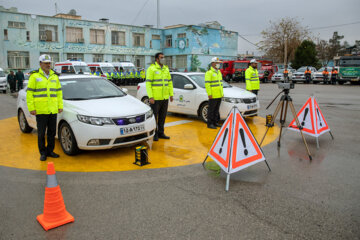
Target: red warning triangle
306 118
246 150
235 147
220 150
321 124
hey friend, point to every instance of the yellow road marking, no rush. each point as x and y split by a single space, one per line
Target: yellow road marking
189 144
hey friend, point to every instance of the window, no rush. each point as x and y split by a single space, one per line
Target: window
6 34
155 37
180 81
27 35
18 60
74 35
226 65
138 40
12 24
75 56
118 38
168 41
181 61
97 36
140 61
98 57
168 61
48 33
118 58
54 57
181 35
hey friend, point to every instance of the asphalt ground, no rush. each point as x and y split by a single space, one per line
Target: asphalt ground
299 199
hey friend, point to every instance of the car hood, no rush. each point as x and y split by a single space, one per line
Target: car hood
108 107
235 92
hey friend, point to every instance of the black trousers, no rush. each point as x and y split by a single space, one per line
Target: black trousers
160 110
255 92
20 85
213 111
46 122
12 86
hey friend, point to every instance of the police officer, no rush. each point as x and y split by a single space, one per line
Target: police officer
252 78
142 75
215 91
11 79
44 100
159 88
109 75
286 75
334 74
325 74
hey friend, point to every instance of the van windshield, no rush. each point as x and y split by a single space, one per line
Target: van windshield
84 69
108 69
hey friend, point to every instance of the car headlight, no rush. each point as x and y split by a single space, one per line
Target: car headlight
232 100
149 114
94 120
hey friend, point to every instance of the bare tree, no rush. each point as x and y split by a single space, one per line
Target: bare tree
281 39
323 50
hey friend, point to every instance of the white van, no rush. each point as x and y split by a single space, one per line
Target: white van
125 65
72 67
102 67
3 81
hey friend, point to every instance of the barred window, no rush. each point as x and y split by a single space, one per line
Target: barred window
75 56
98 57
118 38
140 61
181 35
18 60
12 24
138 40
97 36
181 61
118 58
169 61
168 41
74 35
48 33
155 37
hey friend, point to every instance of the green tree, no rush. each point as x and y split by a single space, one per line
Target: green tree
195 63
306 55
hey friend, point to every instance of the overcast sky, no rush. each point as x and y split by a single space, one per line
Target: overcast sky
248 17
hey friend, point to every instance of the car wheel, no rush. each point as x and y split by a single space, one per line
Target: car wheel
4 91
203 111
146 100
228 78
67 139
23 124
341 82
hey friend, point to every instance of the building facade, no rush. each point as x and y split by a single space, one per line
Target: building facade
24 37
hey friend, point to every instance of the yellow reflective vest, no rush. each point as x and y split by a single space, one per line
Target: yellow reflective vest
44 94
252 79
213 83
142 74
158 82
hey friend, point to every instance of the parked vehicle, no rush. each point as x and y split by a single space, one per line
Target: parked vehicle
234 70
318 76
3 81
279 76
102 67
349 69
272 69
190 97
299 75
72 67
97 115
125 65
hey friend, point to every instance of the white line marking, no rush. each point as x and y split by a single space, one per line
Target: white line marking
177 123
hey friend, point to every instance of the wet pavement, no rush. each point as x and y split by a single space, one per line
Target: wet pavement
299 199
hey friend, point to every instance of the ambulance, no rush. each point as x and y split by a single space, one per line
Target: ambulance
72 67
102 67
125 65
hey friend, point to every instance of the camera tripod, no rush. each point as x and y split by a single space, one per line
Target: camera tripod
286 101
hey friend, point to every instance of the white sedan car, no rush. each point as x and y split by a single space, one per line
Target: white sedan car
96 115
190 97
279 76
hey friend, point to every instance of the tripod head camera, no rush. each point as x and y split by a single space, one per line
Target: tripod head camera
286 85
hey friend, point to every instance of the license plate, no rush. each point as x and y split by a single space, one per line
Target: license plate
354 80
134 129
251 106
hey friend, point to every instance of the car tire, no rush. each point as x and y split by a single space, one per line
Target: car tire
4 91
228 78
203 111
341 82
23 124
67 139
146 100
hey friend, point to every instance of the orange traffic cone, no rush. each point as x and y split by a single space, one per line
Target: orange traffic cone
55 213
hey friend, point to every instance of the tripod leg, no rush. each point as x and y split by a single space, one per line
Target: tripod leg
281 121
272 120
331 135
203 164
298 124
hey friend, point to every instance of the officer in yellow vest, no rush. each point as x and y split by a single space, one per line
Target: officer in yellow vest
252 78
44 99
159 88
214 89
142 75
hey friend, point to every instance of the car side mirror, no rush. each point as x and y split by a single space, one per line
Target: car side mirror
125 90
188 86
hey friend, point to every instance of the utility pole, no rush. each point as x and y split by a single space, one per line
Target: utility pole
158 14
285 51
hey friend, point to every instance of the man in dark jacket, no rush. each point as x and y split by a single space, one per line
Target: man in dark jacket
20 79
11 79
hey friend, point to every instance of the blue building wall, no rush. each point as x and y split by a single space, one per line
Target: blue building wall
202 43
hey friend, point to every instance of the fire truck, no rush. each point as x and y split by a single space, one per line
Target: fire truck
234 69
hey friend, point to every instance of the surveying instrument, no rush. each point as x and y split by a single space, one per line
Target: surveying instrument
285 101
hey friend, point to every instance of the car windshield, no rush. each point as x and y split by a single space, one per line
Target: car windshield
199 79
303 69
108 69
89 88
350 62
280 71
85 69
241 65
130 69
322 69
2 74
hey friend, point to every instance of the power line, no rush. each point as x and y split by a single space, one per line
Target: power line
248 41
137 15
